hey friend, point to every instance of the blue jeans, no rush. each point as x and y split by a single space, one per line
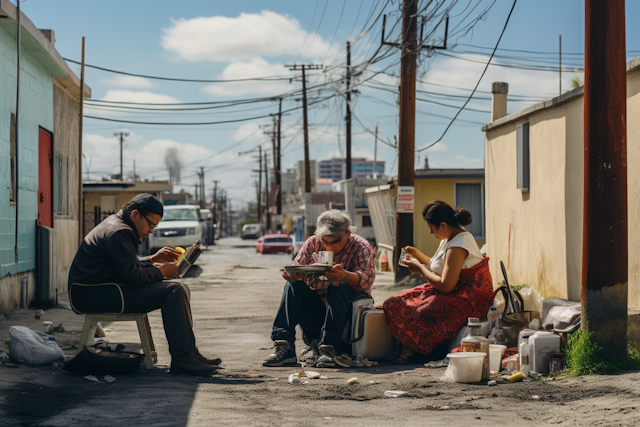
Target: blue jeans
301 305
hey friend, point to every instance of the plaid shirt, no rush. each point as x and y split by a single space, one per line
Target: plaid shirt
357 256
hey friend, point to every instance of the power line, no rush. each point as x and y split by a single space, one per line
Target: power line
175 79
477 84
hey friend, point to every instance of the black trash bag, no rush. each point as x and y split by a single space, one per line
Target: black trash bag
102 359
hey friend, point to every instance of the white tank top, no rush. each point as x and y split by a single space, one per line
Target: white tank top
462 240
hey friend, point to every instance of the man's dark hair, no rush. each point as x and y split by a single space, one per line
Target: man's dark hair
131 206
144 203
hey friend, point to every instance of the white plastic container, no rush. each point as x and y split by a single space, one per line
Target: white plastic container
496 356
466 367
523 349
492 315
540 345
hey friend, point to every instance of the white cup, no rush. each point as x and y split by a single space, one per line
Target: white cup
325 257
403 254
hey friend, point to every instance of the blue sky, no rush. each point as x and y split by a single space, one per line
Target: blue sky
228 40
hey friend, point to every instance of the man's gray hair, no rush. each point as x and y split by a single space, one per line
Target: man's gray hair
333 223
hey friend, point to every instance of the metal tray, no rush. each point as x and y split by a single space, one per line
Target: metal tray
307 269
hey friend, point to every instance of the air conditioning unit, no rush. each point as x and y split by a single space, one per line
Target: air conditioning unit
46 267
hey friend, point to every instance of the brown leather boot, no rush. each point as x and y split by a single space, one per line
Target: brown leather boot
188 364
204 359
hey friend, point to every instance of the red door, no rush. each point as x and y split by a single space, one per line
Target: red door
45 165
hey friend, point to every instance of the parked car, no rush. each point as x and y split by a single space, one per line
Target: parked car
250 231
180 226
274 243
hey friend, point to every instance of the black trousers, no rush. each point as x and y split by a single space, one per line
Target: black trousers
302 306
170 297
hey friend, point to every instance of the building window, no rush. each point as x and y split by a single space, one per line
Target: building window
13 150
470 195
366 221
61 185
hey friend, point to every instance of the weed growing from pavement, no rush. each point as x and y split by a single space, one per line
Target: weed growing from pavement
58 328
582 357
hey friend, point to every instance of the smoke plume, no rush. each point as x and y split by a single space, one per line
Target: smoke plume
172 161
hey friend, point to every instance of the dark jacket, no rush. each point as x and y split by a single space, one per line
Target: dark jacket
108 254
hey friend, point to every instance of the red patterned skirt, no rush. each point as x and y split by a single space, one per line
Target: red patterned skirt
422 318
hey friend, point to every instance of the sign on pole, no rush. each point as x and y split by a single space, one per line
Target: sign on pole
406 199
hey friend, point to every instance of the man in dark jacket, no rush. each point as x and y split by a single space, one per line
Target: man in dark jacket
108 254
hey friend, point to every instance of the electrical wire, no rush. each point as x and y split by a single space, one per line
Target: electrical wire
477 84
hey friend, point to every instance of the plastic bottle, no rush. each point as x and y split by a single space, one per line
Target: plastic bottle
524 357
497 331
478 344
492 316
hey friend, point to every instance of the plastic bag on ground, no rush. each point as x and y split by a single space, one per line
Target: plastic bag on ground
33 348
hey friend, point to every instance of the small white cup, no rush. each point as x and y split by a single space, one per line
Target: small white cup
403 254
325 257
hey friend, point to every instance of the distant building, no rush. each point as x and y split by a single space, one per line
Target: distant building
335 169
314 173
104 198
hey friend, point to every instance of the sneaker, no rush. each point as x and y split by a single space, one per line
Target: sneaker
327 353
207 360
188 364
285 354
310 355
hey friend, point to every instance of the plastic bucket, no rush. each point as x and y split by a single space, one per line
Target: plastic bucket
495 358
466 367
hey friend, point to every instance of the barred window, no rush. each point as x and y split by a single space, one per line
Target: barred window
61 185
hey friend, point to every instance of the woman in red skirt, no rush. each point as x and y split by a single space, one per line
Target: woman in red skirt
458 285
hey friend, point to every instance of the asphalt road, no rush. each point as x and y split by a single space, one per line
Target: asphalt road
235 294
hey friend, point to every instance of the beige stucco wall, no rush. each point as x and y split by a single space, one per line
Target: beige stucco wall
538 234
65 143
427 190
633 183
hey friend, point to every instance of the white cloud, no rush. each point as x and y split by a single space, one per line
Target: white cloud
224 39
256 67
139 96
465 74
129 81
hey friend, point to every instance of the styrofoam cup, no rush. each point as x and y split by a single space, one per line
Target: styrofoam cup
496 352
466 367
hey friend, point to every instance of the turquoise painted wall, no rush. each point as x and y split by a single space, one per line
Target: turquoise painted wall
36 110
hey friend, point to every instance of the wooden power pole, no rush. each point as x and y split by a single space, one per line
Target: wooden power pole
260 186
406 132
605 239
348 117
278 170
266 192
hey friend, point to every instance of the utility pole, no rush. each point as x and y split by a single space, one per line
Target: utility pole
214 215
605 240
406 132
278 170
121 135
375 154
410 47
260 186
305 127
560 61
348 117
80 154
134 171
266 192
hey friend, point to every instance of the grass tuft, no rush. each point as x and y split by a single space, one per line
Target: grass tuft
582 357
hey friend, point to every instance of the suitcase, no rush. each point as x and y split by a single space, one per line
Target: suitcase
372 337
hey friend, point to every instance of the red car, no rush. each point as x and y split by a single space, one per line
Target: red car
274 243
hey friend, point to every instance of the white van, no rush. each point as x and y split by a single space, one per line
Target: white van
250 231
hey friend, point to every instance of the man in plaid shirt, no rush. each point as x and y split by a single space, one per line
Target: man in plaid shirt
322 305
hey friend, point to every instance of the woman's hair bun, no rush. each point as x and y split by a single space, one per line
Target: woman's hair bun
463 216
